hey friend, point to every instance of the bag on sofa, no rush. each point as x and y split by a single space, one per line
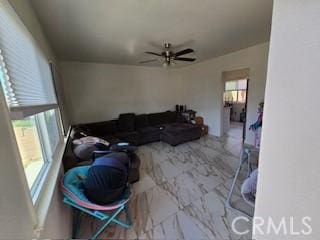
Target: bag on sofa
85 146
90 140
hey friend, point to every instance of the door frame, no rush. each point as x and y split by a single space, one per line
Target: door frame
237 74
244 131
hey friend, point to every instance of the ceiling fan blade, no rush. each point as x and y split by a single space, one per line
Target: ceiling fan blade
184 59
148 61
153 53
185 51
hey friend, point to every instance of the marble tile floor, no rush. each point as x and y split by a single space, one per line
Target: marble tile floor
235 130
181 193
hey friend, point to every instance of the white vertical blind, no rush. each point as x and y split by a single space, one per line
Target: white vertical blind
26 76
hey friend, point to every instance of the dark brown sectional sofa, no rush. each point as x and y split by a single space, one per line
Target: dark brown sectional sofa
168 127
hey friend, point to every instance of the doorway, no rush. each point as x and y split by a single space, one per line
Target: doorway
235 100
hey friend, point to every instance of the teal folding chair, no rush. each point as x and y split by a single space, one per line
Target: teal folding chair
73 191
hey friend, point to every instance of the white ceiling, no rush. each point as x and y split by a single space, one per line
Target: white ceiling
120 31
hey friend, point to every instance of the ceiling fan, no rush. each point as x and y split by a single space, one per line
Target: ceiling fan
168 56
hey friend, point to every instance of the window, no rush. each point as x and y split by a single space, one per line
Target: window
27 84
37 138
235 91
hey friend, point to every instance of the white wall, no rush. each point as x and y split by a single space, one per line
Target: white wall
99 92
289 175
17 216
203 86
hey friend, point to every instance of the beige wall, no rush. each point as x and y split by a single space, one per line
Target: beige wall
99 92
17 217
289 176
203 86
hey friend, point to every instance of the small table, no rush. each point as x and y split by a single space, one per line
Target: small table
189 115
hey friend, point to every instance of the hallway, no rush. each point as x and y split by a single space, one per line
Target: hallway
235 131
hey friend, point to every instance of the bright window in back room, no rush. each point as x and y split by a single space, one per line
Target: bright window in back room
27 84
235 91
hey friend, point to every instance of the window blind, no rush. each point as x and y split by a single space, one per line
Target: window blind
26 76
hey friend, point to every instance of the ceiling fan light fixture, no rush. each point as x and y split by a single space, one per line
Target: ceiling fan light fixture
168 56
167 45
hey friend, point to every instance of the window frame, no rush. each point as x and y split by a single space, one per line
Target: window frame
48 154
238 93
42 69
37 202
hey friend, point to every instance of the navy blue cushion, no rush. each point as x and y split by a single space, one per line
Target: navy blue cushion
107 178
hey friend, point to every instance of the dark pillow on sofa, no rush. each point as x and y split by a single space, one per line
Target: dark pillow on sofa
126 122
141 121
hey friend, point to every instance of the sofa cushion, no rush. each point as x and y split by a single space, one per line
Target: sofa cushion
112 139
178 127
161 118
126 122
131 137
141 121
100 129
149 130
170 116
177 133
149 135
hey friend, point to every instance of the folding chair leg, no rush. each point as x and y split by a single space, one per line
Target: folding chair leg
105 218
76 223
107 223
128 216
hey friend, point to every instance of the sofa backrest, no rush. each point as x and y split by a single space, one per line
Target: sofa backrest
101 129
161 118
126 122
141 121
